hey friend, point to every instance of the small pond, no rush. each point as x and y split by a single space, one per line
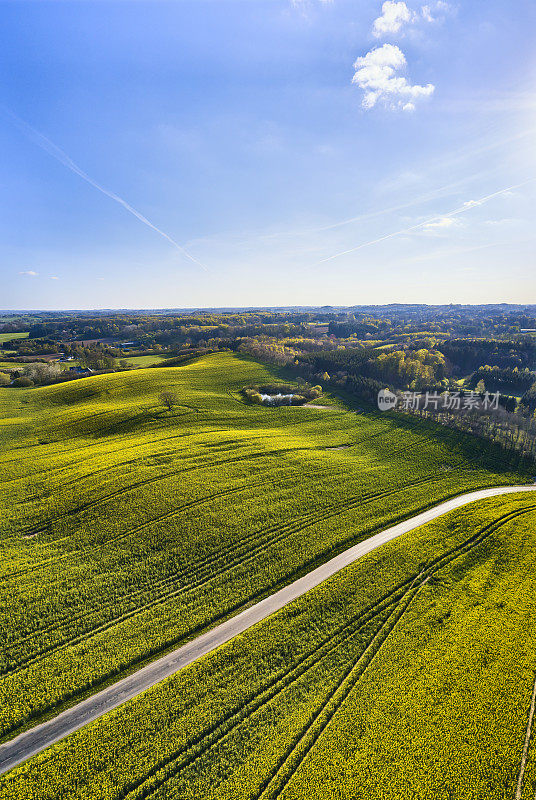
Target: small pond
277 399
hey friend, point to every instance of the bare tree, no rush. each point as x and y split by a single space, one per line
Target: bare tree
168 399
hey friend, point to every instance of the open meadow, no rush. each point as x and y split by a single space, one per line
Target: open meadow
142 361
7 337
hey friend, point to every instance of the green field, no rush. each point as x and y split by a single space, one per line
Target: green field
8 365
8 337
128 528
141 361
17 365
408 675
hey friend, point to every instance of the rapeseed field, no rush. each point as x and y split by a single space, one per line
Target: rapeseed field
409 674
129 527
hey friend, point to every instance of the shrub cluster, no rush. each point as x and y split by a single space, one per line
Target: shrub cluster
23 382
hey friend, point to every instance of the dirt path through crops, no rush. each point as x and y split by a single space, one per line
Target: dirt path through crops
47 733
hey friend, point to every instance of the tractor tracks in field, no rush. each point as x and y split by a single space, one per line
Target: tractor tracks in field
69 465
32 530
525 753
42 735
196 748
94 445
195 575
288 765
385 613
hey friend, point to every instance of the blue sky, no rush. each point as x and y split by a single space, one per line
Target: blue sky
305 152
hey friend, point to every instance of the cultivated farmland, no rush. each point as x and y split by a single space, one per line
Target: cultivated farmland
408 674
129 527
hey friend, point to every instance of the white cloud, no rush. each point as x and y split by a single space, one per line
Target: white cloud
29 272
436 12
504 221
427 14
303 5
54 278
394 15
441 224
376 74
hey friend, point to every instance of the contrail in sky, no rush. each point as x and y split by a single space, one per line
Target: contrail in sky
424 198
461 210
56 152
